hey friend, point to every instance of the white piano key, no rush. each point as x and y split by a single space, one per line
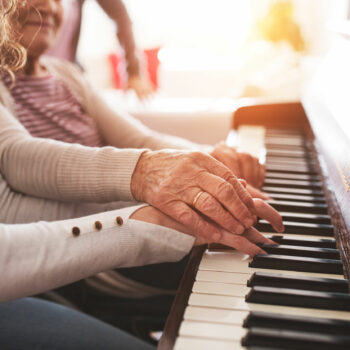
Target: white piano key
251 139
218 300
193 313
242 278
235 290
233 261
223 277
212 330
239 304
188 343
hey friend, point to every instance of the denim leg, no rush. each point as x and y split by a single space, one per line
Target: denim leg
31 323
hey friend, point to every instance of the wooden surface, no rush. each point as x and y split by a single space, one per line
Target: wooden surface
278 115
181 300
327 134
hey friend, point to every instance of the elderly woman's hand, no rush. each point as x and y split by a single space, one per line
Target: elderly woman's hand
185 184
243 165
255 193
248 240
245 242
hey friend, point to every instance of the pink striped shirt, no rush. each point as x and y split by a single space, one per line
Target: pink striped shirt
48 109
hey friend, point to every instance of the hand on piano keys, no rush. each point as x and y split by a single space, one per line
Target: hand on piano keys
195 190
294 298
243 165
247 242
255 193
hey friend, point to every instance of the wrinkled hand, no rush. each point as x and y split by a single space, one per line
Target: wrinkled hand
255 193
184 185
243 165
248 240
245 242
142 87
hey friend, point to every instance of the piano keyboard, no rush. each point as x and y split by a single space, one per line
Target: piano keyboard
295 297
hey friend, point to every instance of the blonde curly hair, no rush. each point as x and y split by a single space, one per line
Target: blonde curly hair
12 54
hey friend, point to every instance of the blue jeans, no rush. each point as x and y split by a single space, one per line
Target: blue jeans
31 323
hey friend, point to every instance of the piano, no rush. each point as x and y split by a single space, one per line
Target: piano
297 296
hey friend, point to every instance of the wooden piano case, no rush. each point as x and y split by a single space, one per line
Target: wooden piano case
324 117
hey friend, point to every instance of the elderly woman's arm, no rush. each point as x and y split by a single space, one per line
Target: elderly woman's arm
60 171
55 170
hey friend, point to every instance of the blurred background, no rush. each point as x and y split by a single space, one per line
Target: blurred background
206 55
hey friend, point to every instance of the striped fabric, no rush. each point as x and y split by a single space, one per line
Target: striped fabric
47 108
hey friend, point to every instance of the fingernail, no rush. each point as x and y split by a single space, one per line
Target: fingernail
216 237
239 229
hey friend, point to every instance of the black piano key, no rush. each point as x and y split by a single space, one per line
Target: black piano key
299 207
287 176
293 263
299 298
316 242
265 279
293 183
289 241
322 253
302 217
285 190
298 323
297 198
299 228
295 340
